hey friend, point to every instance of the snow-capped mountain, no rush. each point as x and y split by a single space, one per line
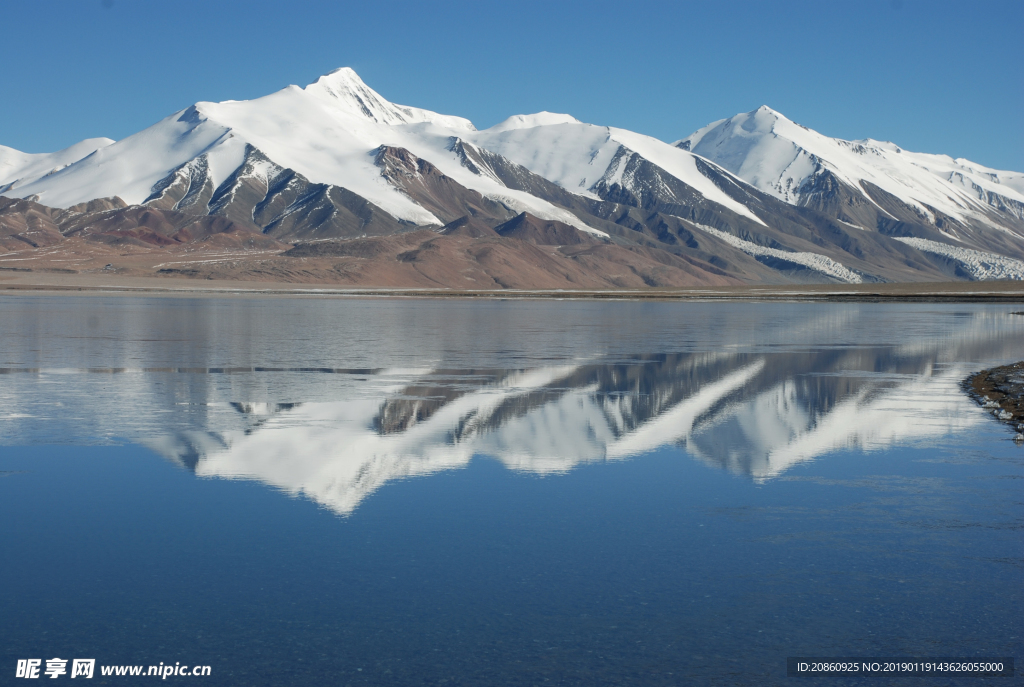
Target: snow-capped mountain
329 133
868 183
753 199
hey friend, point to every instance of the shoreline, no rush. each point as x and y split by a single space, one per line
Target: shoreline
1001 391
39 283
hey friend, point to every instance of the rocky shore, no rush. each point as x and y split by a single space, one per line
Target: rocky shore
1001 390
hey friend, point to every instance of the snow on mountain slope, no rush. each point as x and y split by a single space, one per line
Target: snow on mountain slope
130 167
779 157
578 156
435 144
541 149
329 132
313 161
979 264
814 261
531 120
17 167
328 141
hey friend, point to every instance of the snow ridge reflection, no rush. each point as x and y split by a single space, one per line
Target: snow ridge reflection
800 386
754 415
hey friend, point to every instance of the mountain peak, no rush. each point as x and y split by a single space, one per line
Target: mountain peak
342 89
531 120
763 119
342 78
766 116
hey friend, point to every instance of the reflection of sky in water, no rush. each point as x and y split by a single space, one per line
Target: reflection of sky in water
630 566
812 380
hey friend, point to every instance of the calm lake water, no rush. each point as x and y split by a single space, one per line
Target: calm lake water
428 492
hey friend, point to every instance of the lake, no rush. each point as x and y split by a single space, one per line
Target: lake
484 492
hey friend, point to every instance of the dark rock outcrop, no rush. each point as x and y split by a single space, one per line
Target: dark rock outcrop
1001 391
543 232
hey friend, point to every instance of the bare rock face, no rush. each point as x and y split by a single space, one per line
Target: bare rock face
313 211
97 205
188 188
470 227
27 224
444 197
542 232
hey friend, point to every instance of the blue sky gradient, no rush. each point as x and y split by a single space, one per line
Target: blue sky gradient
936 76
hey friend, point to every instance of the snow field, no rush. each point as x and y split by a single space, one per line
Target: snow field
815 261
982 266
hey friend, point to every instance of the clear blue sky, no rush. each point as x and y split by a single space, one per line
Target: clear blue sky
933 76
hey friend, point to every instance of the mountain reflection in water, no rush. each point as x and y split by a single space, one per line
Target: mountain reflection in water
754 410
754 415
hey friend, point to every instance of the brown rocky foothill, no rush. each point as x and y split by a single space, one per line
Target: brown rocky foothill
27 224
484 248
469 253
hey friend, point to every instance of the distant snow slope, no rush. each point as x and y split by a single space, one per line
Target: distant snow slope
18 168
779 157
980 265
531 120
